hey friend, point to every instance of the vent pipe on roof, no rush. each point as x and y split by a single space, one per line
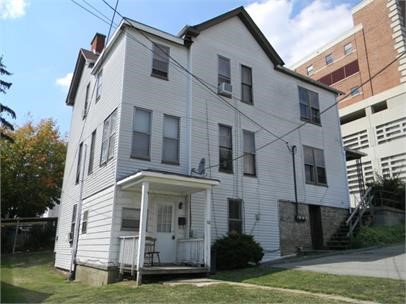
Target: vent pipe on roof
98 43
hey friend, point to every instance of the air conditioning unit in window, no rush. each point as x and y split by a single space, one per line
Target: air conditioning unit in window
225 89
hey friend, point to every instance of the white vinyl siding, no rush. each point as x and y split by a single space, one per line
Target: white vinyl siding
141 140
170 141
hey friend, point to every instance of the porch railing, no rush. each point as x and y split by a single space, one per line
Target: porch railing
128 253
190 251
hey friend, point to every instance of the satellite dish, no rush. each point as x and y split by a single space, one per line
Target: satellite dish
201 170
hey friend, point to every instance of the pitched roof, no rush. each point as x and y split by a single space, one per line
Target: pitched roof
83 57
248 22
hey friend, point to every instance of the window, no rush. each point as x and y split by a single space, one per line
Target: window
130 219
329 59
78 164
109 138
84 221
226 149
354 91
141 134
348 48
352 116
73 222
84 114
224 70
310 70
309 106
341 73
160 61
164 221
99 83
234 215
170 147
91 153
246 84
315 169
378 107
249 153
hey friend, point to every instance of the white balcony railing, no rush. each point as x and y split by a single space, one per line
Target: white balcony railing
190 251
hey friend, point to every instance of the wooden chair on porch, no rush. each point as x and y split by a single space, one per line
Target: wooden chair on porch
150 252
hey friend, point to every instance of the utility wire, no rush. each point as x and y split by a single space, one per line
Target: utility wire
90 12
112 19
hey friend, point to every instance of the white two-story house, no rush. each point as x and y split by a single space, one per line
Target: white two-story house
176 139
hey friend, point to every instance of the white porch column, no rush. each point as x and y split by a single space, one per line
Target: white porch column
142 230
207 229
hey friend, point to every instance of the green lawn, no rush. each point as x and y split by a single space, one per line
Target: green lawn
32 278
363 288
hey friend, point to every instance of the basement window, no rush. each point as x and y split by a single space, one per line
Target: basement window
378 107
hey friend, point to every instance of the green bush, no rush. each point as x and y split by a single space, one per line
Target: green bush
237 251
374 236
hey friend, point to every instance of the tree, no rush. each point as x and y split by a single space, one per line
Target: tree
4 85
32 170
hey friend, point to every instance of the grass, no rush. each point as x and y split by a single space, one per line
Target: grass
31 278
363 288
379 235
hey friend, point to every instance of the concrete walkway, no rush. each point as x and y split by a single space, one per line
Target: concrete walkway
208 282
386 262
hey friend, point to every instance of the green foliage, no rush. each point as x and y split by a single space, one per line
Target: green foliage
32 170
380 235
4 124
237 251
388 191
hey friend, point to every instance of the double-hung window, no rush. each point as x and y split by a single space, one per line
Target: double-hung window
246 84
99 84
160 60
310 70
84 221
309 106
315 168
77 179
86 105
170 147
225 149
249 153
130 219
141 134
73 223
329 59
347 48
109 138
224 70
235 215
91 153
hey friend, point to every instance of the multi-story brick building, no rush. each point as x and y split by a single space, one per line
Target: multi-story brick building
368 64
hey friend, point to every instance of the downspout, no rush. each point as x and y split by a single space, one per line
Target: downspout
72 268
189 110
293 150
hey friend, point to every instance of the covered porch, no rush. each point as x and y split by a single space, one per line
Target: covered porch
164 244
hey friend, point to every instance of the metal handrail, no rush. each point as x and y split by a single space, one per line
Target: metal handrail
360 209
360 203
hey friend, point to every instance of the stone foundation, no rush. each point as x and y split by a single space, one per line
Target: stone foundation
294 235
96 276
387 216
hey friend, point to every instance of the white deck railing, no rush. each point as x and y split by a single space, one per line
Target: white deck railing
128 253
190 251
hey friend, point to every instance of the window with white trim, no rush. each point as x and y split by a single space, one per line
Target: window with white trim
315 168
170 146
109 138
310 70
130 219
347 48
160 61
78 165
73 223
329 59
141 134
84 221
235 221
249 153
246 84
224 70
225 149
91 153
99 84
86 104
309 106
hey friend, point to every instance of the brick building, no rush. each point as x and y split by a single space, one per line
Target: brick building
368 64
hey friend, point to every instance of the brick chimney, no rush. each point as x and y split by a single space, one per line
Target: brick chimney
98 43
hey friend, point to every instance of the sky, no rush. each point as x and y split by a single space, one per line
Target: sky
40 39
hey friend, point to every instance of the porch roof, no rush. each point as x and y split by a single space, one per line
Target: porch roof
166 182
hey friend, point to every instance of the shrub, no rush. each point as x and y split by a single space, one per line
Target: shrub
381 235
237 251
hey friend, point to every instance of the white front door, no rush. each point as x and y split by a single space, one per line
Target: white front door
165 231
